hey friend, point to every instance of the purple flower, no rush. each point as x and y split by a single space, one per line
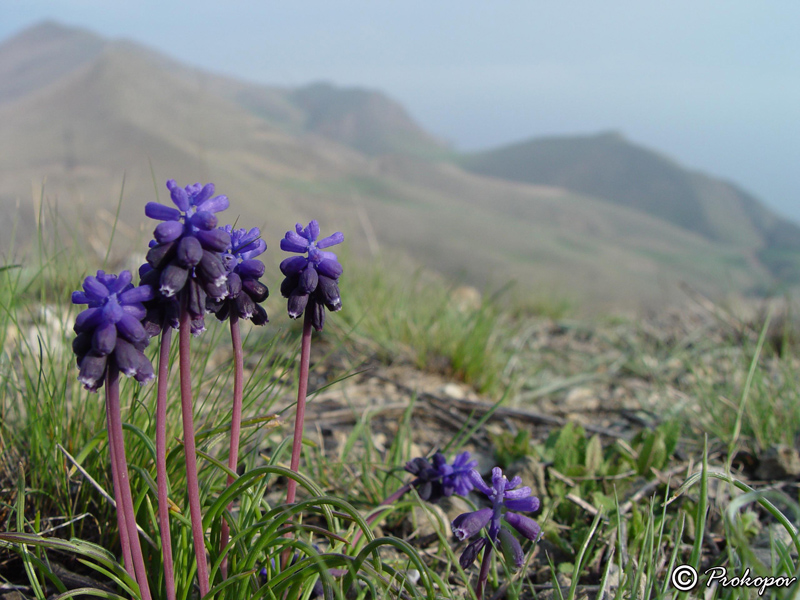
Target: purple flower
311 281
245 291
507 498
111 329
185 259
436 479
455 477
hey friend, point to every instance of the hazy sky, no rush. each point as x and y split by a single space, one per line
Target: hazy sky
714 84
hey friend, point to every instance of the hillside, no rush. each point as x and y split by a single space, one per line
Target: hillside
117 109
610 167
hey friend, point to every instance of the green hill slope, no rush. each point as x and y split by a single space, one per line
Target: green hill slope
125 109
608 166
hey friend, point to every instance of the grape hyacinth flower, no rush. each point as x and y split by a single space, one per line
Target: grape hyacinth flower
111 339
111 329
186 257
311 285
162 312
245 293
312 282
434 480
437 479
507 499
186 264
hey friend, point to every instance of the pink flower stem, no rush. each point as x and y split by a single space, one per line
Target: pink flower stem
118 455
302 389
161 461
483 576
192 484
123 527
236 425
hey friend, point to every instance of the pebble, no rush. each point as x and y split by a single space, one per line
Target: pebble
453 390
581 399
428 523
779 462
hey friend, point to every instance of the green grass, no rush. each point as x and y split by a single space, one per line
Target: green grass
610 523
405 314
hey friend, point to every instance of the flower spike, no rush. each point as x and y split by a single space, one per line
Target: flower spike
111 328
506 497
311 282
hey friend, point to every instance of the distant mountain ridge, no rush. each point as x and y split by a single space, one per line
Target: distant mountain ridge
366 120
38 56
79 111
610 167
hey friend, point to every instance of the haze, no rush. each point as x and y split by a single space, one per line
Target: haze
712 84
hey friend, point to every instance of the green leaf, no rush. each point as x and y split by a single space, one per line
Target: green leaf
594 455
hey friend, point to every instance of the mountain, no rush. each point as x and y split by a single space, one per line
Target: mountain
80 113
609 167
362 119
41 55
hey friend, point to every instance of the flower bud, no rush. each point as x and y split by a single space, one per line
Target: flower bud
161 254
211 268
173 278
525 525
204 220
251 268
471 552
92 371
512 551
216 240
308 279
255 289
190 252
168 231
297 304
104 339
468 524
328 290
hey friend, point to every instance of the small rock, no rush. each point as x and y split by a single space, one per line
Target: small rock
416 451
466 299
453 390
431 520
412 575
581 399
614 580
768 537
779 462
379 440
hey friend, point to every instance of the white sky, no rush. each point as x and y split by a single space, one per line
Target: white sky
713 83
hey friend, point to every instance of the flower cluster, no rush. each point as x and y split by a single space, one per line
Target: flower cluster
193 267
506 498
437 479
185 259
312 282
245 291
111 329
